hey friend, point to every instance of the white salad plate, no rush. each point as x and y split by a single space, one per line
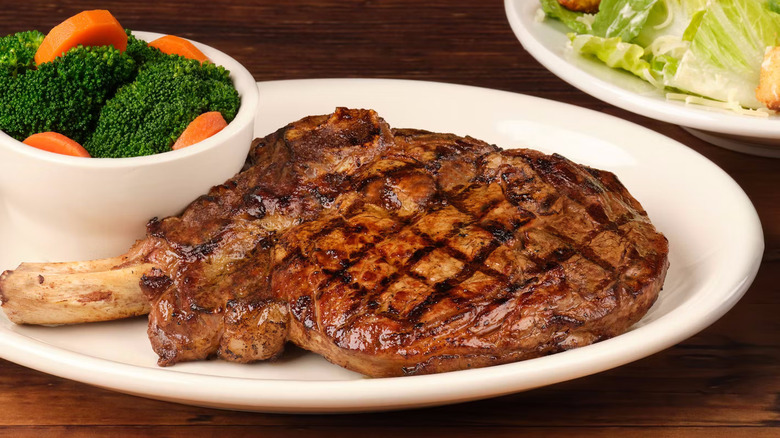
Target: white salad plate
548 43
715 253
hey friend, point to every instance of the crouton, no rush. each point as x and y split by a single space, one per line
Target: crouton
768 90
589 6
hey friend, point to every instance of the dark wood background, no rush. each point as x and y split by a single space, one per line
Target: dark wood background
723 382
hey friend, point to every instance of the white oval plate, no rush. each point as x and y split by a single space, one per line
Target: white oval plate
715 253
547 42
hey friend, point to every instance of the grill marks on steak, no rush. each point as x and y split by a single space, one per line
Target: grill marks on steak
529 254
216 254
397 252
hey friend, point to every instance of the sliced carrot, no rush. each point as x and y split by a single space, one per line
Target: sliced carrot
57 143
173 45
203 127
88 28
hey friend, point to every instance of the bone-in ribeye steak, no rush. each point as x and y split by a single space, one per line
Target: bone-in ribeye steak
398 251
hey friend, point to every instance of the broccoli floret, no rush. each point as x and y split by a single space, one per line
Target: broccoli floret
64 95
17 51
141 52
147 116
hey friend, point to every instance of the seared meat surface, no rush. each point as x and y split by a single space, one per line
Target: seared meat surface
394 252
388 251
211 293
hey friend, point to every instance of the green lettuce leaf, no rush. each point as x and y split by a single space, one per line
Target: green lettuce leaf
667 19
623 19
726 51
614 52
573 20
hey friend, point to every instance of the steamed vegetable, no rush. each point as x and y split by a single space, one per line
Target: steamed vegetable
705 48
203 127
98 86
57 143
17 52
87 28
146 116
65 95
173 45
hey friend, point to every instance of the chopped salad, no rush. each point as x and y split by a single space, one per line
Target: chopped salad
706 52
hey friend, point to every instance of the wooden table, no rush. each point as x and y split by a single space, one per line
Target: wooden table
723 382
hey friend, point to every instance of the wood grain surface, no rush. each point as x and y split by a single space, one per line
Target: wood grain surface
723 382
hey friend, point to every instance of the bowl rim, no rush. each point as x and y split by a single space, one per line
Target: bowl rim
243 81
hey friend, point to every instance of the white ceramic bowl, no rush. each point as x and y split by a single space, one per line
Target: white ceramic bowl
72 208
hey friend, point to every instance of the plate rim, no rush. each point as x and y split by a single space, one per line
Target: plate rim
653 107
378 394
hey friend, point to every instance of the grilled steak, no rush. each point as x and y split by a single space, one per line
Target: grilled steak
388 251
395 252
